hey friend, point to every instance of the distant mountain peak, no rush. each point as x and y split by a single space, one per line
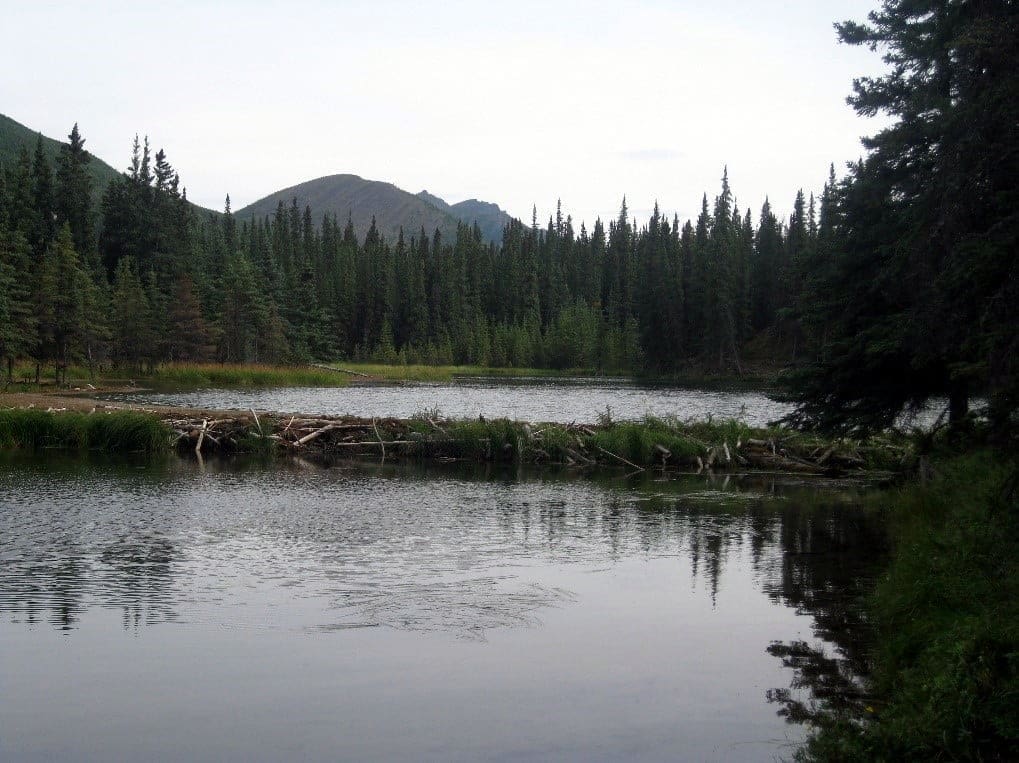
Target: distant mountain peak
393 208
435 201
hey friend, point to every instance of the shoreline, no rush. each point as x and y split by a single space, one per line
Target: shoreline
652 444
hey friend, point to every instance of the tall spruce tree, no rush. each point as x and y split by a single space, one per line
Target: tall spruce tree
925 271
74 195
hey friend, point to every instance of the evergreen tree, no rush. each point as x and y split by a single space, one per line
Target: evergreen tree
74 195
922 296
67 315
18 321
132 336
189 337
43 227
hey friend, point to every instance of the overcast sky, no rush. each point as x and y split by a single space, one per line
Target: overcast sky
519 103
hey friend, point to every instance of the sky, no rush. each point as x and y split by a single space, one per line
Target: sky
519 103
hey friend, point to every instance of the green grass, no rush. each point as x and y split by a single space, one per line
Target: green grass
259 375
243 375
182 375
447 373
610 443
946 616
115 432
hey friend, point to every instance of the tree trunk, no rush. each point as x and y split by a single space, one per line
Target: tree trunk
958 402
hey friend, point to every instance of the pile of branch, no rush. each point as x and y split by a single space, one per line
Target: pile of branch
573 445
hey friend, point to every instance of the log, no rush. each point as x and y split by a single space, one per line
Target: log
308 438
342 371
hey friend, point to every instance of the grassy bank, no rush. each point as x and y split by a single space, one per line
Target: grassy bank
242 375
190 375
114 432
448 373
305 375
946 614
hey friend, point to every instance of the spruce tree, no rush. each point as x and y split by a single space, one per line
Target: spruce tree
74 194
925 266
18 322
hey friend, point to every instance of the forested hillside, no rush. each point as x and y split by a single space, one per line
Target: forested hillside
144 278
16 138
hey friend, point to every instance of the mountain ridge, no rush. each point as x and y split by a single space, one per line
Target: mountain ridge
349 196
341 194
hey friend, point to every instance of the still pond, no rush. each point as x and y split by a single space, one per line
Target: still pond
171 610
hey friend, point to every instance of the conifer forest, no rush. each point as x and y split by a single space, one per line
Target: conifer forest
894 283
143 276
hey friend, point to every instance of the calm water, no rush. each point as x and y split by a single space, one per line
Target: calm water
170 611
532 399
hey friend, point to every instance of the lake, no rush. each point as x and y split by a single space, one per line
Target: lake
562 400
170 610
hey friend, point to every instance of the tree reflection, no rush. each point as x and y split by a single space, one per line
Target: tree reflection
831 556
61 582
138 576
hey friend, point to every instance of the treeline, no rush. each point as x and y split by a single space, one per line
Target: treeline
144 277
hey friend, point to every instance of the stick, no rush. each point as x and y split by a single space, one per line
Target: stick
201 436
382 444
619 458
374 444
574 455
257 424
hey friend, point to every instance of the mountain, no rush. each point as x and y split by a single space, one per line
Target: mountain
489 217
14 135
360 199
392 207
341 195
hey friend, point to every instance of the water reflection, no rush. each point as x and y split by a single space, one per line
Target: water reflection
407 547
619 587
830 561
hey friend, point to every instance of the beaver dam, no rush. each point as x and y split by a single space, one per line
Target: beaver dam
650 443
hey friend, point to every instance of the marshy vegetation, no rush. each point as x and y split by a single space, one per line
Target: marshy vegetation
110 432
945 683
